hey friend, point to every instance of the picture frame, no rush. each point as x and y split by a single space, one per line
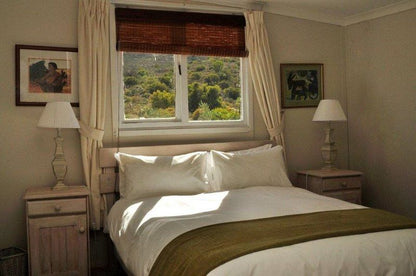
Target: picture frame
302 84
46 74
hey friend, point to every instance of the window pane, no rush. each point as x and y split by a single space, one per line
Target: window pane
149 86
214 88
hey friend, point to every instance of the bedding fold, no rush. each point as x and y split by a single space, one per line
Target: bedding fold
199 251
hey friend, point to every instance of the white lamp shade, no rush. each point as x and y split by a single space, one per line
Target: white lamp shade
58 115
329 110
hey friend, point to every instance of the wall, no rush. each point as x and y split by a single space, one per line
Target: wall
301 41
292 40
26 151
381 85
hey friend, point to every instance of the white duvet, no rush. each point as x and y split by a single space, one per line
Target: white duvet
141 229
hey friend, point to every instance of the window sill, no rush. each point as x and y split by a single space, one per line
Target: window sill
182 131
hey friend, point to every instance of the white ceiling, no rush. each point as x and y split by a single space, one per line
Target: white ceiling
334 7
339 12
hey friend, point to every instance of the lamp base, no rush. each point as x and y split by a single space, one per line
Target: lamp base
329 168
59 186
329 150
59 163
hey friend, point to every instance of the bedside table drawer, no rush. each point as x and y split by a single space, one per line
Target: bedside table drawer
55 207
333 184
353 196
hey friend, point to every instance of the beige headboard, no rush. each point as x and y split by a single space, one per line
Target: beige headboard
108 164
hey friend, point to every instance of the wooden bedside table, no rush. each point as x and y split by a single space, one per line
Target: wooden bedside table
57 230
341 184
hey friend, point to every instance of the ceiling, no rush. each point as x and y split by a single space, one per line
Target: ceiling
338 8
339 12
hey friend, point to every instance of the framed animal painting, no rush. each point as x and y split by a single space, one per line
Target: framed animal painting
302 85
46 74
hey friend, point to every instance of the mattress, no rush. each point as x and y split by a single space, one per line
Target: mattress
141 229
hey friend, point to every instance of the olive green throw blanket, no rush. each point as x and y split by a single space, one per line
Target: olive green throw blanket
199 251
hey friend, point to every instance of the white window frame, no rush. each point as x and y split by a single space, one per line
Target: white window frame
180 124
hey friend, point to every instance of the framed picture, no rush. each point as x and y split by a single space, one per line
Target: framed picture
46 74
302 84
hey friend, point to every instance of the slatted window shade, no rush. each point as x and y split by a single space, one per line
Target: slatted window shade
165 32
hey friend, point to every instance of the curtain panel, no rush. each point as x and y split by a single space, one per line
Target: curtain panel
167 32
94 81
262 73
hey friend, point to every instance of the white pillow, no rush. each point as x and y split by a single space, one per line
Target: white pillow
263 168
147 176
256 149
210 168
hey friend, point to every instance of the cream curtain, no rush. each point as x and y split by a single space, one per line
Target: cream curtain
94 62
262 73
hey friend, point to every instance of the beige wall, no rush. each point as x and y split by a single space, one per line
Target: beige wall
381 83
26 151
301 41
292 41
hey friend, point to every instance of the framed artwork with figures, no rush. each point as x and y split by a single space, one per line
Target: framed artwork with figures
302 85
45 74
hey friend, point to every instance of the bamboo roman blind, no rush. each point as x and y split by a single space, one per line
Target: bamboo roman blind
167 32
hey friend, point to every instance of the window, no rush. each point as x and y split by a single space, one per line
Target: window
166 86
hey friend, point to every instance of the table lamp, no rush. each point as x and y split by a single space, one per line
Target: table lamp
58 115
329 111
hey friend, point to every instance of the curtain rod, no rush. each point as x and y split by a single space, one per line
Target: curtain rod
192 5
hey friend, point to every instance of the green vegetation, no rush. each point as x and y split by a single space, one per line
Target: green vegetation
214 91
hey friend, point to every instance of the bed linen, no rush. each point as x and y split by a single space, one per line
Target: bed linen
235 171
140 229
147 176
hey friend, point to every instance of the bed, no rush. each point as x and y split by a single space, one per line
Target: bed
143 226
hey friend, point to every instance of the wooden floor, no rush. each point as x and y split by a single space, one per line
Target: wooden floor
103 258
108 272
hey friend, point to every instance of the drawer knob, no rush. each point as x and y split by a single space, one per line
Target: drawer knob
57 208
82 229
344 184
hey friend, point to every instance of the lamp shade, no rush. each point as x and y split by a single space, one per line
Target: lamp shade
329 110
58 115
